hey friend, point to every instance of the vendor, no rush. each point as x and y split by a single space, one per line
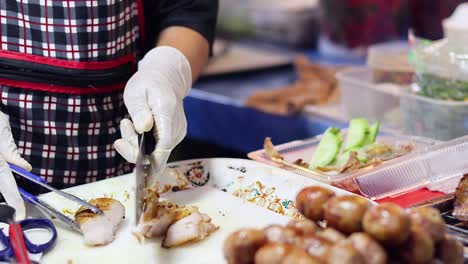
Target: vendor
69 78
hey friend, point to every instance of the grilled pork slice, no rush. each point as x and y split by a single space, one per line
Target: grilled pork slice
100 229
461 200
159 215
192 228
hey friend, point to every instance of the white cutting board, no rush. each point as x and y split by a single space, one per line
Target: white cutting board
227 211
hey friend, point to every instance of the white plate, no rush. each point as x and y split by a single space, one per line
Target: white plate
236 193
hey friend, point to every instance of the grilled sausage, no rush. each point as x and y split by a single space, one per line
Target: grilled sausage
372 251
240 247
310 201
345 213
276 253
303 227
429 220
387 223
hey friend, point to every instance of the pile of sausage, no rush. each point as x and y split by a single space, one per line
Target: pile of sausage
347 229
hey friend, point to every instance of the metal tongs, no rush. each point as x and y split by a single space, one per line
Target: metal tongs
45 207
143 168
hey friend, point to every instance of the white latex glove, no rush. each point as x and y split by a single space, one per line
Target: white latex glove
9 153
153 96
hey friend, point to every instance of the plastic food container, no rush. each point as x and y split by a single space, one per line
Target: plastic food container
434 164
433 118
389 63
360 97
304 149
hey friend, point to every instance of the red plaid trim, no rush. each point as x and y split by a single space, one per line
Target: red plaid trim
61 89
68 64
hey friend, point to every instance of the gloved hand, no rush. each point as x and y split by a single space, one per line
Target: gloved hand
9 153
153 97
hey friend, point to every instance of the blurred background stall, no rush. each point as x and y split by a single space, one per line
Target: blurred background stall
273 72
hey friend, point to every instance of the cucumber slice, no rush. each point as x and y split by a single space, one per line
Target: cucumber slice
362 159
373 131
342 159
327 149
358 131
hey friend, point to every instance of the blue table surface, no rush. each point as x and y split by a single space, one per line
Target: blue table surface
216 113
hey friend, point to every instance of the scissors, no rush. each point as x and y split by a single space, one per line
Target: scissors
143 168
17 243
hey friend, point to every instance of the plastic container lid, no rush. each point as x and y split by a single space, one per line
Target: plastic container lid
440 162
391 56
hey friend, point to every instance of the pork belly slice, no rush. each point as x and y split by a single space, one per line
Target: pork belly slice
98 229
192 228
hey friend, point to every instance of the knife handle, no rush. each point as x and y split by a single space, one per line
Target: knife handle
149 142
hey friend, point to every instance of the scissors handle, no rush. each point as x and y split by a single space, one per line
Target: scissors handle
17 243
6 253
147 142
45 224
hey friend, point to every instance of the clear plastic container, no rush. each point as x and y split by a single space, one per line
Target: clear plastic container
433 118
438 163
304 149
389 63
360 97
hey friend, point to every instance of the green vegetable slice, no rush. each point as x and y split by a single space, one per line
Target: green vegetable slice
327 149
342 159
373 131
358 131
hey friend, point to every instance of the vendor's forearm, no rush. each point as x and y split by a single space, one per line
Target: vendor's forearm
193 45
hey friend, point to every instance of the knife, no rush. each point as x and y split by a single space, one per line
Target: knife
143 168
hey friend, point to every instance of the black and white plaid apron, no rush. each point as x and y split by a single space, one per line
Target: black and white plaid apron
63 67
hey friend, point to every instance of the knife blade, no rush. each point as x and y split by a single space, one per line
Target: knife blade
143 168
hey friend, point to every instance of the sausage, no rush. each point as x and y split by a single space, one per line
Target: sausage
450 250
303 227
344 252
331 235
370 249
315 246
272 253
310 201
299 256
419 248
345 213
280 234
387 223
430 220
277 253
240 247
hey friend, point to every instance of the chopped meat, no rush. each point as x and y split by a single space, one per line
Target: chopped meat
159 215
194 227
316 85
301 163
100 229
270 149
